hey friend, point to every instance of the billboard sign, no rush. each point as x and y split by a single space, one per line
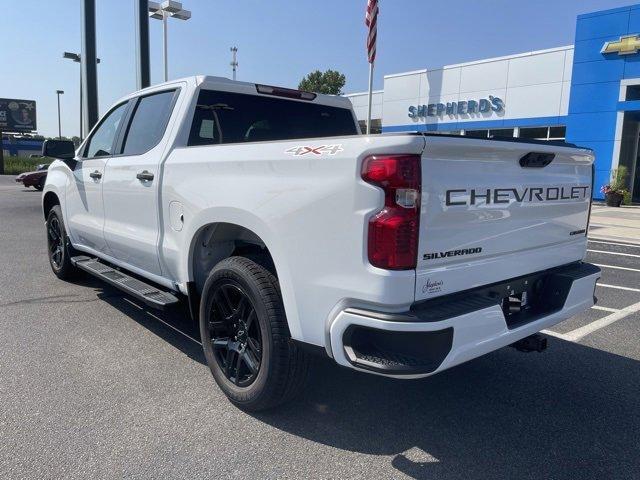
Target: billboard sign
17 115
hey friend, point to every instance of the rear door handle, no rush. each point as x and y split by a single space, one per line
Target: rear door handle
95 175
145 176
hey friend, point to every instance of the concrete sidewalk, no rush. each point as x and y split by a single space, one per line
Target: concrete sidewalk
615 224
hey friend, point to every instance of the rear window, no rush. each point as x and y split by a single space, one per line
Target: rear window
223 117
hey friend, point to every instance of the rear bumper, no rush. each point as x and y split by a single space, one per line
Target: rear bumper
441 333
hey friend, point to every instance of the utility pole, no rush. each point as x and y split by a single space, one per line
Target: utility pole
234 61
89 65
143 76
59 92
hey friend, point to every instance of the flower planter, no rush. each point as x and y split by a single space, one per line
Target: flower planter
614 199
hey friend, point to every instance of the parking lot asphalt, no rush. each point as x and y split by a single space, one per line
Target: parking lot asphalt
94 385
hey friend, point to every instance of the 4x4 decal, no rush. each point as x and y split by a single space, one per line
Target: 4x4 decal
322 149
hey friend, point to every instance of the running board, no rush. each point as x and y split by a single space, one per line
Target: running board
149 294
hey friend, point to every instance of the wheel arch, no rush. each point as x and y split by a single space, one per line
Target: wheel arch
215 241
49 200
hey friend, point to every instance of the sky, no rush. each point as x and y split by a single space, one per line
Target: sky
279 41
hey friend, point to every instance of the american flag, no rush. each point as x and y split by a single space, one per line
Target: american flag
371 21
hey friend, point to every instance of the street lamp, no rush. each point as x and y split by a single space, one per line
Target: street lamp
78 59
59 92
162 11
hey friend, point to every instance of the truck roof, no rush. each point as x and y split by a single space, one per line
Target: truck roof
213 82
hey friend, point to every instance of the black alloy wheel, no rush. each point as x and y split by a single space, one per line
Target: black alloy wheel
59 248
55 238
246 338
235 335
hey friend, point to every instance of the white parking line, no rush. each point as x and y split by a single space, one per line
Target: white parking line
579 333
613 243
617 268
614 253
606 309
619 287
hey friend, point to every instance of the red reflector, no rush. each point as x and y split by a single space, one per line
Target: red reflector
394 231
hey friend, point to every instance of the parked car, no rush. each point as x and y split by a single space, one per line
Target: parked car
36 178
289 232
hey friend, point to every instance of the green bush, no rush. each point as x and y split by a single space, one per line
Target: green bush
18 165
619 182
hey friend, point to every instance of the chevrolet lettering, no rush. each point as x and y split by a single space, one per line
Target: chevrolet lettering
487 196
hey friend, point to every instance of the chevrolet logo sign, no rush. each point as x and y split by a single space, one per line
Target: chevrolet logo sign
627 45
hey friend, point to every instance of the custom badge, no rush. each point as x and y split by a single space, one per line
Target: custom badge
321 150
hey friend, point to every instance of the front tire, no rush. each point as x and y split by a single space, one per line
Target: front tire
246 338
59 247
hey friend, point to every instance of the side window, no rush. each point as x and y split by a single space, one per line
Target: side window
149 123
101 142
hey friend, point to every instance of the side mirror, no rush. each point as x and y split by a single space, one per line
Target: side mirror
61 149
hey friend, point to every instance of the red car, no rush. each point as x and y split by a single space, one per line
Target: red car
34 179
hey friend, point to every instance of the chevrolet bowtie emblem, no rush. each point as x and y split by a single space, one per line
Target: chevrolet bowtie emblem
627 45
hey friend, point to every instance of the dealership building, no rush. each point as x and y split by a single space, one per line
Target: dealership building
587 94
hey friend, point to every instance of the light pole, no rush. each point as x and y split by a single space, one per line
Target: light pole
78 59
162 11
234 60
59 92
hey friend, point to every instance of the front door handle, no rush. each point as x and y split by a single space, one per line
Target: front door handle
145 176
95 175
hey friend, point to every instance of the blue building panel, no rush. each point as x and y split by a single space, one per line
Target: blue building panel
590 50
594 97
605 70
608 12
632 66
634 20
606 24
591 127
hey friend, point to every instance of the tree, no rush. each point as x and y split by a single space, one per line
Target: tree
329 82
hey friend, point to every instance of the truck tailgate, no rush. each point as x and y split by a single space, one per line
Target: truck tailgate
487 215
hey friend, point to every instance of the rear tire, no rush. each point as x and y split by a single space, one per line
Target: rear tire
39 186
59 248
246 338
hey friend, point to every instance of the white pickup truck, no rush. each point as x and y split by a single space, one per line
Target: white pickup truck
289 232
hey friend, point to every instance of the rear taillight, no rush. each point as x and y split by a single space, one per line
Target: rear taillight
393 232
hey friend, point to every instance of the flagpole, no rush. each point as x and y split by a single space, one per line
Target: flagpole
370 98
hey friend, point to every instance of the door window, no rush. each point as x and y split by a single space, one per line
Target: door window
149 122
101 142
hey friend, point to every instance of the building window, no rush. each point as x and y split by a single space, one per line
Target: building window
450 132
557 133
477 133
501 133
543 133
633 92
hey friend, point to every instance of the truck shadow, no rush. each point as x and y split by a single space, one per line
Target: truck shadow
571 412
174 325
